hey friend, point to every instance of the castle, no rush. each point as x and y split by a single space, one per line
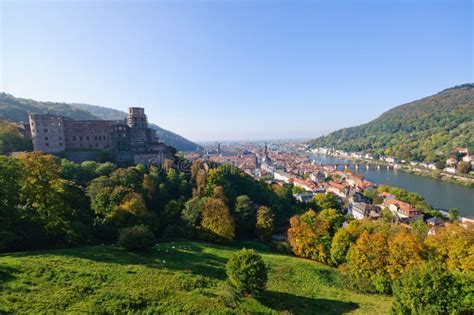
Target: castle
129 141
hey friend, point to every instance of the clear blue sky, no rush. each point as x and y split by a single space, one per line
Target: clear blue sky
237 69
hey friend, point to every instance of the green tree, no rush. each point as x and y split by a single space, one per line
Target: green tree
136 238
265 223
326 201
244 215
453 214
247 273
11 139
419 229
428 289
10 184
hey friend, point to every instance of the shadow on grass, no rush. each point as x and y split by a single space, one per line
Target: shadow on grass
6 274
165 256
280 301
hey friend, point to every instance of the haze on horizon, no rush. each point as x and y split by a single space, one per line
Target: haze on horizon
237 70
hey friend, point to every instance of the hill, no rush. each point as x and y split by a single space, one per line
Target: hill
424 130
174 277
16 110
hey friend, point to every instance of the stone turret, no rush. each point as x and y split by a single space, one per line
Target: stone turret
137 117
137 122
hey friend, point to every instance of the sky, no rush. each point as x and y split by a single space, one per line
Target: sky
236 70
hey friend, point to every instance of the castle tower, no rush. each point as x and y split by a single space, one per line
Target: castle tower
137 118
47 133
137 122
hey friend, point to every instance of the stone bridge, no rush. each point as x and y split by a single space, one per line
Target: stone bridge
356 166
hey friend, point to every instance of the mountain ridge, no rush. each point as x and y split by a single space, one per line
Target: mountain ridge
427 129
16 109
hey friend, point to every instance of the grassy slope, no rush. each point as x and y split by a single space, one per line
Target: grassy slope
174 277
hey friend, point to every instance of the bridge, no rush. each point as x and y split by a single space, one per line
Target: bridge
356 166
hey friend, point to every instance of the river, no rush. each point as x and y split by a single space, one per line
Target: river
441 195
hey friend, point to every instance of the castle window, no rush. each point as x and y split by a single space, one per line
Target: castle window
60 144
45 138
87 138
95 138
60 138
45 130
47 144
73 138
80 138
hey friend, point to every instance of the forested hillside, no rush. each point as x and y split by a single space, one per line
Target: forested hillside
424 130
16 110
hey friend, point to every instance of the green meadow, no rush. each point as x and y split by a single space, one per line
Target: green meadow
173 277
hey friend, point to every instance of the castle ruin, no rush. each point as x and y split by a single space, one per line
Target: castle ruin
129 141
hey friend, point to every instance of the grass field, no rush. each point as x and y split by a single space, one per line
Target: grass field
173 277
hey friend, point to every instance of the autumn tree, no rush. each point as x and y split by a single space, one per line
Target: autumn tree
405 251
366 262
453 246
217 223
344 238
309 237
265 223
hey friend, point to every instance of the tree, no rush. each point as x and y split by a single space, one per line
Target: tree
247 272
464 167
10 184
453 214
105 169
404 252
326 201
244 215
264 225
192 212
11 139
57 205
345 237
387 216
309 237
366 261
332 219
136 238
428 289
419 229
217 223
453 246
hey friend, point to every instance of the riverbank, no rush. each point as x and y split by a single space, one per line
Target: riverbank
435 174
441 194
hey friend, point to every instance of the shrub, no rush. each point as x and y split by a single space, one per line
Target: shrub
247 272
429 289
137 237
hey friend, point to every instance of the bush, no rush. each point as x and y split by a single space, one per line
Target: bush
247 272
137 237
431 290
281 247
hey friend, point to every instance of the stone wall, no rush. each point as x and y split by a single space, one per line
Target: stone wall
47 133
